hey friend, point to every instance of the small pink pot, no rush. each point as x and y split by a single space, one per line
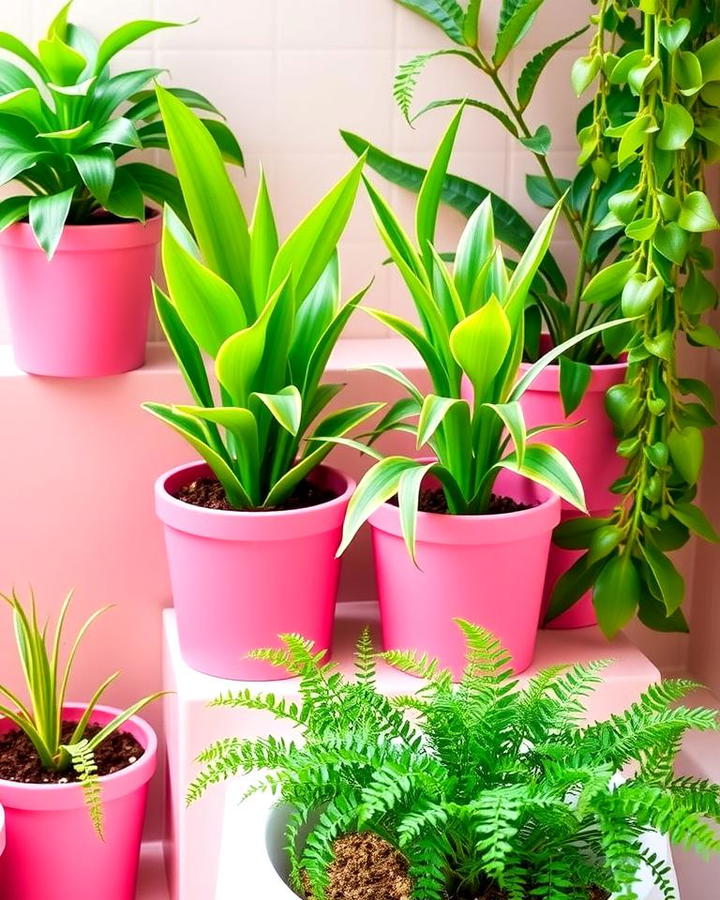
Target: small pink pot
581 614
239 579
85 312
590 447
52 848
2 831
488 570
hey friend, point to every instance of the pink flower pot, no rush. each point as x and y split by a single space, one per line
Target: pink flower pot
239 579
581 614
590 447
488 570
85 312
52 848
2 831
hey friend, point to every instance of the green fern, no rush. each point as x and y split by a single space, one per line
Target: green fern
83 762
482 784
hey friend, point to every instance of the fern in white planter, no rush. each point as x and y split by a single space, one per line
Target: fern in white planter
482 785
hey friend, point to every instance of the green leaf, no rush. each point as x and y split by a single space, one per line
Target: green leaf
479 345
407 76
471 23
705 336
697 214
433 412
617 594
15 46
511 415
12 209
653 615
475 247
26 104
306 252
686 449
120 131
574 380
464 196
408 499
609 282
695 519
677 128
540 142
184 348
709 57
376 487
669 580
501 116
672 242
673 34
63 64
546 465
577 533
109 94
160 186
48 215
532 71
512 30
639 294
97 170
430 193
285 407
126 199
603 541
146 105
571 586
584 71
446 14
540 191
217 217
426 350
263 241
13 78
226 142
124 36
209 308
191 430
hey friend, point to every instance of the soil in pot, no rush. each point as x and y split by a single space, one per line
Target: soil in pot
19 760
366 867
210 494
433 500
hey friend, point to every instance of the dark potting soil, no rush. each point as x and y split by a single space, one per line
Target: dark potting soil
209 493
19 760
433 500
366 867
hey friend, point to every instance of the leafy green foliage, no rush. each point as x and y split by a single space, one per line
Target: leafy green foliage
481 784
46 685
268 314
662 214
471 326
65 129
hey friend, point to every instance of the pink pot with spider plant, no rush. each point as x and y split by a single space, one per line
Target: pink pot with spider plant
479 549
72 831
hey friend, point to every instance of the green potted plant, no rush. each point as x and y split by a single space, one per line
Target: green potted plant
487 789
489 493
73 776
251 532
668 68
78 242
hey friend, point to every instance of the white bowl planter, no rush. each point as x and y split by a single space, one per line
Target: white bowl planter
253 859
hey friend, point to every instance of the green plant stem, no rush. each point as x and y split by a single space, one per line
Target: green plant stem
515 111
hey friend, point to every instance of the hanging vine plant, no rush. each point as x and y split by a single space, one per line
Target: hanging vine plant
664 56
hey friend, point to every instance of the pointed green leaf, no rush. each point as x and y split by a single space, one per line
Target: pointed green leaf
530 75
669 580
574 379
480 343
546 465
97 170
511 415
124 36
48 215
408 499
696 520
514 27
446 14
263 242
285 407
617 594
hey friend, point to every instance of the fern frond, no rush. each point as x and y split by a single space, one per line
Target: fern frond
83 762
407 76
365 660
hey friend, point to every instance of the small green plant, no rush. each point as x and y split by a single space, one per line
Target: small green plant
268 314
46 685
471 326
482 785
66 126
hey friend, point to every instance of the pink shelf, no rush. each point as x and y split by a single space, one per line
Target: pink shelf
192 838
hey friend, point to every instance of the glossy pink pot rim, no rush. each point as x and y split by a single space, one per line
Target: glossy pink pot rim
2 830
236 525
438 528
69 796
82 238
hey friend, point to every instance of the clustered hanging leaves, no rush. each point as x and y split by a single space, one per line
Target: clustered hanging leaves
663 63
482 784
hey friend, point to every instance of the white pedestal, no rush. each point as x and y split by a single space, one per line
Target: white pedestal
193 834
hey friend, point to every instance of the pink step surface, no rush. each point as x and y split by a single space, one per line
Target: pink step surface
192 835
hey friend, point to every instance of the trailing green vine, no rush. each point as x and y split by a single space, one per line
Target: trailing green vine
667 63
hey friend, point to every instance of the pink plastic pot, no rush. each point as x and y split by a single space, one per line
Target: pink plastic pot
590 447
85 312
239 579
52 848
2 831
488 570
581 614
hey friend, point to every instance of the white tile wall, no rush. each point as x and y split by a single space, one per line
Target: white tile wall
290 73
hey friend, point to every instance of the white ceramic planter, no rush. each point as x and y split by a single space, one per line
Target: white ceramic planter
253 861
